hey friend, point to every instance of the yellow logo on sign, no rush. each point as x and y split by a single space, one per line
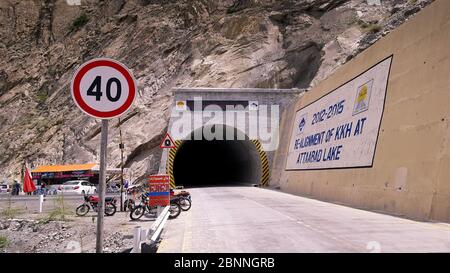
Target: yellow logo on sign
180 105
362 94
363 97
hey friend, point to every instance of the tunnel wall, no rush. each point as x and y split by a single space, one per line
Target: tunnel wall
410 172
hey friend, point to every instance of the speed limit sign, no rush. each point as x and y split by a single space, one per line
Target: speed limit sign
103 88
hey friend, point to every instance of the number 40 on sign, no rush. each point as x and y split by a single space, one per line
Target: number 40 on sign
103 88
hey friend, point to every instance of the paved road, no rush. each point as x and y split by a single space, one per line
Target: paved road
245 219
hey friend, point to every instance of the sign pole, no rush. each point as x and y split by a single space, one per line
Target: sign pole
121 146
102 185
103 88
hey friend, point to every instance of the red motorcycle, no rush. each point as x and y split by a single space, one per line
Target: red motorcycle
91 201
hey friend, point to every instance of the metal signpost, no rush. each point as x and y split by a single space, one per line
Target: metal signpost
103 88
121 147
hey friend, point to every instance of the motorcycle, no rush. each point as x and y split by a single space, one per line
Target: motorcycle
139 210
130 202
184 202
183 198
91 201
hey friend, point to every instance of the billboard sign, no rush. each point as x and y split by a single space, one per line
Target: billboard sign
340 129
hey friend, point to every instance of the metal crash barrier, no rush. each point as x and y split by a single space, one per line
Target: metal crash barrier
143 235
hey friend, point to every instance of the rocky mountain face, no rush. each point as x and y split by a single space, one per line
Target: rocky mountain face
166 43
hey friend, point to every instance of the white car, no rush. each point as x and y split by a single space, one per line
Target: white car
78 187
4 188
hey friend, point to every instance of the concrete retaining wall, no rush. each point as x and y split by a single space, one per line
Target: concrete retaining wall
410 175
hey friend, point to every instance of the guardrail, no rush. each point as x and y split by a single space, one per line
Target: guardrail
142 235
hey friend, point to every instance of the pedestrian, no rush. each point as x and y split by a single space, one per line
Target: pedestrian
16 187
43 190
13 188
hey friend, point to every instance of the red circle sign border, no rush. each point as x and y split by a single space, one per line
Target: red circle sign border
84 68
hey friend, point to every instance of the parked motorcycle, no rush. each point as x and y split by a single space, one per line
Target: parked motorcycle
139 210
184 202
129 204
183 198
91 201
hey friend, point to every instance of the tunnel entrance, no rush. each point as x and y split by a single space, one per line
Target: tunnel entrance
218 162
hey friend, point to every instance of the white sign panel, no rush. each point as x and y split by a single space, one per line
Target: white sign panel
340 129
103 88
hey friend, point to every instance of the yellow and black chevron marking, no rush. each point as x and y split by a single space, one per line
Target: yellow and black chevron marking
170 160
265 168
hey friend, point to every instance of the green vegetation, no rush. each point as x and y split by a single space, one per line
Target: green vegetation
373 28
3 241
59 212
231 10
368 27
9 212
41 96
79 22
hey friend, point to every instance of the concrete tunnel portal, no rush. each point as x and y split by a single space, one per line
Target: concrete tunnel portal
218 162
200 161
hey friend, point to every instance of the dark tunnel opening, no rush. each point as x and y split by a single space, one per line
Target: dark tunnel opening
216 163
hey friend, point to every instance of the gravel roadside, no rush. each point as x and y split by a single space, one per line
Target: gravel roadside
50 233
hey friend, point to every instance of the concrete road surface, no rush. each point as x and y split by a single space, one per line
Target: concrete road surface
246 219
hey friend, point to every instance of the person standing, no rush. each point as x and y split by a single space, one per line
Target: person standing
16 187
43 189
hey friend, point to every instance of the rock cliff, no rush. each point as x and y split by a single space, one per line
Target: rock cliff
166 43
